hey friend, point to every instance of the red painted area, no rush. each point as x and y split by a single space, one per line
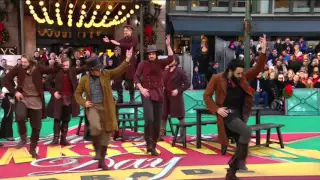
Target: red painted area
193 158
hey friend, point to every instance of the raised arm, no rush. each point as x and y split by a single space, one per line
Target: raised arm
79 91
50 85
117 72
9 78
208 93
259 67
48 70
80 70
170 59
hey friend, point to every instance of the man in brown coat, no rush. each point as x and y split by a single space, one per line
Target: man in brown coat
29 98
62 104
129 41
175 83
151 89
99 104
233 105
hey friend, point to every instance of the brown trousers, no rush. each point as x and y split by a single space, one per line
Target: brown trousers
96 121
22 115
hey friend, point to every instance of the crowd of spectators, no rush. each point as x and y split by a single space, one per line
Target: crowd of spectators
294 63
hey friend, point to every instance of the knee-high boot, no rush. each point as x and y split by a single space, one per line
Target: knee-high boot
120 95
64 132
131 93
242 162
102 163
240 155
97 147
34 142
22 128
56 132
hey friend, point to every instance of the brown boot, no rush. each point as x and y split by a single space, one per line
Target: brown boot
56 132
102 163
22 128
64 132
96 146
34 142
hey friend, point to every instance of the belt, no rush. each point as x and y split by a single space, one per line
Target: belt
233 111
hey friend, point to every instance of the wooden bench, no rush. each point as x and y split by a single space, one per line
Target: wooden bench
184 127
268 127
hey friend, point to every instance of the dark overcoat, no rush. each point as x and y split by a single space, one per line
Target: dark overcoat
126 44
37 73
174 105
218 86
54 84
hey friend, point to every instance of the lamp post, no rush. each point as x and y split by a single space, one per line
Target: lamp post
247 33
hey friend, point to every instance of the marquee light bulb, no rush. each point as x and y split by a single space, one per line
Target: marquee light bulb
131 11
123 7
109 7
95 12
31 7
41 3
97 6
57 5
119 13
128 15
71 6
108 13
44 9
28 2
137 6
116 17
70 11
83 6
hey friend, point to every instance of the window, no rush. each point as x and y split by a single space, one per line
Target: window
281 6
301 6
178 5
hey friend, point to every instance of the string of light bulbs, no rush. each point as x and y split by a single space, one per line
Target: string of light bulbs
83 15
34 14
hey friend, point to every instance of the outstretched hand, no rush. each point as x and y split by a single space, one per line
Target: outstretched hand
263 43
129 53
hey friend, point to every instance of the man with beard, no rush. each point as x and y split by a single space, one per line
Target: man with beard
151 89
99 104
29 98
129 41
233 105
62 104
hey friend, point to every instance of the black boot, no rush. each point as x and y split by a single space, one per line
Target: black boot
233 167
23 134
182 134
64 132
34 142
242 161
56 132
97 147
120 96
102 163
131 93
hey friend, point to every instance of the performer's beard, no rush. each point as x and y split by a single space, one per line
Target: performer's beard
235 79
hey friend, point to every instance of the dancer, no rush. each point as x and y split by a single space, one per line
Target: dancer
175 83
151 89
99 103
233 105
129 41
29 98
62 104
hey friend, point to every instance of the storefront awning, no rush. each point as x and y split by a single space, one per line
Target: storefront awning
233 26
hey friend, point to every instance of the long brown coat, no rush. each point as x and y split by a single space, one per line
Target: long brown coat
54 84
179 81
218 86
127 44
20 73
110 118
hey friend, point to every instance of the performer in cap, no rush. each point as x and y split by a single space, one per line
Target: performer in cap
175 83
129 41
151 89
99 104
